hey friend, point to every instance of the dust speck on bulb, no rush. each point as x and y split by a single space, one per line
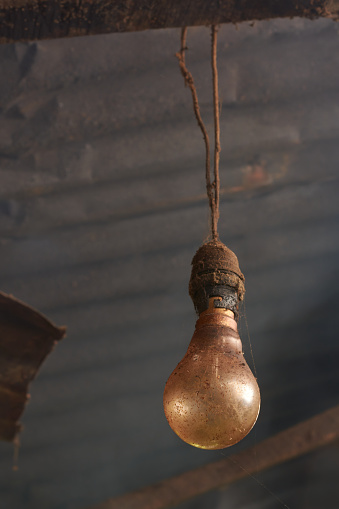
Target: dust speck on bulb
212 400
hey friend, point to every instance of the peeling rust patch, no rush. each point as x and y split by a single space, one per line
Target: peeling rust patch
26 338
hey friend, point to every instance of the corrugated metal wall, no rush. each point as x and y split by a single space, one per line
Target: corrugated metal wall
102 207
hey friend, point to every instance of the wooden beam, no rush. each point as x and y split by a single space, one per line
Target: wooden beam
291 443
22 20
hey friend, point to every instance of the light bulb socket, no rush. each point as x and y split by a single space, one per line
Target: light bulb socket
216 273
228 298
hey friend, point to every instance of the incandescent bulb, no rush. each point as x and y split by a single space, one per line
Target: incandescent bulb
212 399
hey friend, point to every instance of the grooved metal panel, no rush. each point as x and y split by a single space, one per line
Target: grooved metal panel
102 206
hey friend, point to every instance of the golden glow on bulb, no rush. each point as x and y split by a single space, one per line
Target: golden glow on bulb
212 399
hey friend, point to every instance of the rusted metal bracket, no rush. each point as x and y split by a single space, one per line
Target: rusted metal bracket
26 338
23 20
291 443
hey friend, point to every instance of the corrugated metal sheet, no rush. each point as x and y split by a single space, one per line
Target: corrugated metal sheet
102 207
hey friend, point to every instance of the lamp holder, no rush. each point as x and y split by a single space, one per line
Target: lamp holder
216 273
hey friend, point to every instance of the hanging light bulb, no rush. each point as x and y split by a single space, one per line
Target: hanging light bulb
212 399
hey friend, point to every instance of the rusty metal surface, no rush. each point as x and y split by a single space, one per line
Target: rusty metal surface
22 20
26 338
102 207
300 439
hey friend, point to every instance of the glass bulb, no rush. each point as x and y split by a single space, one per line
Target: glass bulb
212 399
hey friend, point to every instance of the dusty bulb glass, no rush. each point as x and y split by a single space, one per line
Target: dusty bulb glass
212 399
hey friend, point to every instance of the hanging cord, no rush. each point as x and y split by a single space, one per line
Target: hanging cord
211 187
216 183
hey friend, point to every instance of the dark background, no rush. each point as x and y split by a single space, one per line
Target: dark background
102 207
